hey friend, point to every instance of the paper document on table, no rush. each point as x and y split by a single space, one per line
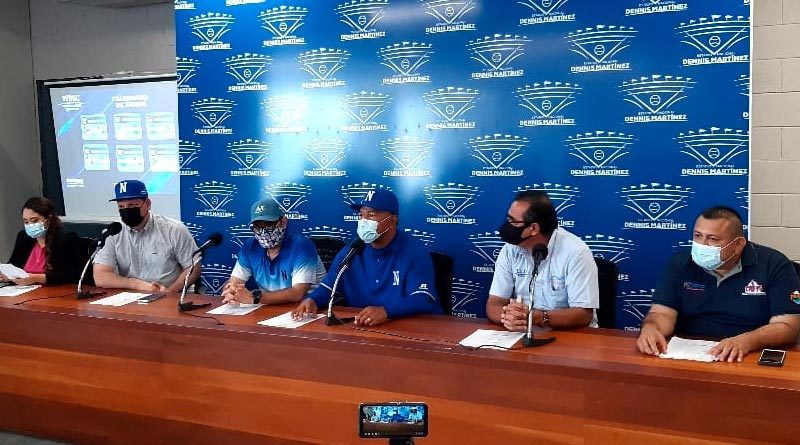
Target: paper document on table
286 321
12 272
685 349
230 309
487 338
120 299
14 291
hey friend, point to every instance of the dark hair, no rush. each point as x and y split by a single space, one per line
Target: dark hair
540 210
47 209
725 212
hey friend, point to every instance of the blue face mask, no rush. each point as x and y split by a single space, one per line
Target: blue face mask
368 229
35 230
709 257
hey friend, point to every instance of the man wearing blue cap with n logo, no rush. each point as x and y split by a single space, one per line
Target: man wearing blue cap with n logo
392 278
151 254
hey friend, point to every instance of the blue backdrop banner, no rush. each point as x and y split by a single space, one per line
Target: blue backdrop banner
633 115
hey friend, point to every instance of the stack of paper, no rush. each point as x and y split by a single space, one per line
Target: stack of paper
120 299
231 309
286 321
487 338
684 349
14 291
12 272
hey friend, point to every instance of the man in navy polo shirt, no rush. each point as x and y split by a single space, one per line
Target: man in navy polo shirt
284 264
725 288
391 278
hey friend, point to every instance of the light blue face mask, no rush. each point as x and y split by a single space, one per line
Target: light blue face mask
35 230
368 229
709 257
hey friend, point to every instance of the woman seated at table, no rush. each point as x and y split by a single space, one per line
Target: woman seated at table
43 250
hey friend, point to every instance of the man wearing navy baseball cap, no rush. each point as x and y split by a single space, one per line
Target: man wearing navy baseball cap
153 253
284 264
392 278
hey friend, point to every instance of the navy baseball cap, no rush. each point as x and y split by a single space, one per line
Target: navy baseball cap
379 199
129 189
265 210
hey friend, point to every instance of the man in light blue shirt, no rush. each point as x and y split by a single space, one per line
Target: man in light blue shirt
285 265
566 291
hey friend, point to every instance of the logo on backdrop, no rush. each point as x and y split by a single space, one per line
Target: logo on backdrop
451 200
545 11
185 69
364 109
427 238
322 65
449 15
290 196
598 152
405 60
355 193
743 82
183 5
325 156
450 105
599 47
194 229
362 16
214 197
325 232
496 152
654 204
637 303
465 292
283 22
240 233
187 154
655 97
287 114
212 113
547 102
247 69
215 276
656 7
716 39
210 28
682 245
250 155
714 150
71 102
407 155
611 248
562 196
242 2
487 246
496 53
743 196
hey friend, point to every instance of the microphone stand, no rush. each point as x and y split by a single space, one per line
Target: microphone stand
80 294
333 319
185 306
529 341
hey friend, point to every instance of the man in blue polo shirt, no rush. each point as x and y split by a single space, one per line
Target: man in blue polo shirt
391 278
284 264
727 288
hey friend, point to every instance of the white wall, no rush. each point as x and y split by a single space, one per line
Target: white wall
72 40
775 175
20 175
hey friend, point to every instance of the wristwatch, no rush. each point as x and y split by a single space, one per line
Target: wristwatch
256 296
545 319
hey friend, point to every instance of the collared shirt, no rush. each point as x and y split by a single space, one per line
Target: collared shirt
567 278
398 277
297 263
156 254
740 303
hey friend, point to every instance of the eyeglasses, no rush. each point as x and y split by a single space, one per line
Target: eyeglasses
511 220
261 225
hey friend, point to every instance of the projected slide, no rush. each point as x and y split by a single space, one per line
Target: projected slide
109 132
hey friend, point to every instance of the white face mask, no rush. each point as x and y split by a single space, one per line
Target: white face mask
368 229
709 257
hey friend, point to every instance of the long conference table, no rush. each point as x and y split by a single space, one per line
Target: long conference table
147 374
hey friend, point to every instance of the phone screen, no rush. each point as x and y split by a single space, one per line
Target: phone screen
387 420
772 356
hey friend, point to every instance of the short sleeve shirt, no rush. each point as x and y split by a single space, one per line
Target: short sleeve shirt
297 263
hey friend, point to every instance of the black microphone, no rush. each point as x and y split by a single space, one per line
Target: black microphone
539 253
110 230
215 239
356 247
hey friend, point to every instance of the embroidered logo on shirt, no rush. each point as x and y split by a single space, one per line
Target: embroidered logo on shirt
795 297
753 288
284 275
694 287
424 286
396 280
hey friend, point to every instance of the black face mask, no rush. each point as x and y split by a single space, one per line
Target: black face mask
132 216
511 234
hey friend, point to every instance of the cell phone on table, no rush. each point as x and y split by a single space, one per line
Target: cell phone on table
392 420
149 298
772 357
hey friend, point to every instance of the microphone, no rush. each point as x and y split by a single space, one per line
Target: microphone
539 253
213 240
356 247
110 230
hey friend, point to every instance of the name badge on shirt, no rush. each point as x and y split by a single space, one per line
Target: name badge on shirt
694 287
557 283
